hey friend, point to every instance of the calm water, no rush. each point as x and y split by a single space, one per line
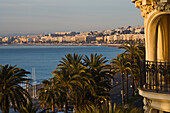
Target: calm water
45 58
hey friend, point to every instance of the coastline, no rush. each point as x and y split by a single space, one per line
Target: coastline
39 85
67 44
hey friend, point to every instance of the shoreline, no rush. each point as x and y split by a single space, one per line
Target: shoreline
65 44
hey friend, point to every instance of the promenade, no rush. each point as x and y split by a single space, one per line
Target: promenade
67 44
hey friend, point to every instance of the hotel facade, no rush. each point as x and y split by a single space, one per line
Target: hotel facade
155 71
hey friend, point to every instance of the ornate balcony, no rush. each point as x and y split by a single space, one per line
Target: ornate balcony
155 76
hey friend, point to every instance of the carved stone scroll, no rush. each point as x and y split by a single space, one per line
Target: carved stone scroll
150 5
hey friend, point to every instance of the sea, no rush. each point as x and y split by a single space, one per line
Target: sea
44 59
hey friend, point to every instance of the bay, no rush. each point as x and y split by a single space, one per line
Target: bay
46 58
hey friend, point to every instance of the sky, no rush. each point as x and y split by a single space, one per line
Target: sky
49 16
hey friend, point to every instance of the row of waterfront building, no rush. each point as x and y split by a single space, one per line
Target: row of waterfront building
107 36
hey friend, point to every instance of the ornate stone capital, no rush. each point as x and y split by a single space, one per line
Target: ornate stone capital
148 6
162 6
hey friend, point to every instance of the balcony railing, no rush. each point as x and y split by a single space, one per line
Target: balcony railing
155 76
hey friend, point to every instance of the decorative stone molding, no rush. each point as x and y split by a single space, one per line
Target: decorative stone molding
155 100
162 6
148 102
145 10
147 105
148 6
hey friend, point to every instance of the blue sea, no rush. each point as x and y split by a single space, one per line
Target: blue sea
46 58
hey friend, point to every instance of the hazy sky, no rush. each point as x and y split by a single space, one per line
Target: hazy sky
39 16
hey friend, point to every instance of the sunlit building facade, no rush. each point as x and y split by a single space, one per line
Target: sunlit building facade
155 74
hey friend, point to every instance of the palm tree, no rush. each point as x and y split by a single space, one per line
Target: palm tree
100 73
11 93
48 94
86 93
72 62
74 66
67 82
135 69
108 108
76 78
30 108
134 51
121 65
127 84
126 73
